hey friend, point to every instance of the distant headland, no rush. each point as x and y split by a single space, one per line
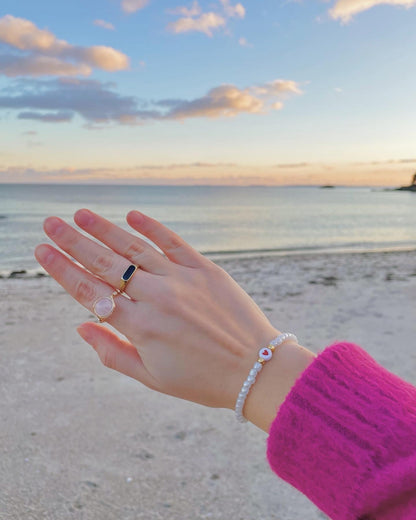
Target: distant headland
412 186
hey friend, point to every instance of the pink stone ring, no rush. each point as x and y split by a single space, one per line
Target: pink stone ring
103 307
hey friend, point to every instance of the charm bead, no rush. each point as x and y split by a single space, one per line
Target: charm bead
266 354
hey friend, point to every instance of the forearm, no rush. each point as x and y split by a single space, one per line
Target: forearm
274 383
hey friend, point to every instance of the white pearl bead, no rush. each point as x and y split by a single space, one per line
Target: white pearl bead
253 372
258 366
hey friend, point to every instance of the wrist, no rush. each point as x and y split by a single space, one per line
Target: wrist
274 382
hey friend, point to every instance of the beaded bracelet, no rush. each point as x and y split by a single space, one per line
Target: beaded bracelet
265 354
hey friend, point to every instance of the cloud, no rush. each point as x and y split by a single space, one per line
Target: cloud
49 117
64 98
229 101
59 100
11 65
205 23
194 10
319 173
194 20
131 6
46 55
344 10
233 11
244 43
105 25
293 165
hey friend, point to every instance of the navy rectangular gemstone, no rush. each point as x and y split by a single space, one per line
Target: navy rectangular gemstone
128 273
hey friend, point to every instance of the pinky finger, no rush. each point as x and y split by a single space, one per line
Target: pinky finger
115 353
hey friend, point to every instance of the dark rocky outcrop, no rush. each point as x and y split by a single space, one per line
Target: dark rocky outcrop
412 186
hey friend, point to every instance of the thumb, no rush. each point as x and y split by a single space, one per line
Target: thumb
115 353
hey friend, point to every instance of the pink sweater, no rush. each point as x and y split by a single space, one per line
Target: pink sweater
346 437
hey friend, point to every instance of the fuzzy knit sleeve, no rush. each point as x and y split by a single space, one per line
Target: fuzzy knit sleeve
345 437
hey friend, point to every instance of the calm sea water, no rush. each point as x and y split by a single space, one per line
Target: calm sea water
218 220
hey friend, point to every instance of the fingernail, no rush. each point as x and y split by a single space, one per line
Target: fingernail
136 216
45 255
53 226
84 334
83 217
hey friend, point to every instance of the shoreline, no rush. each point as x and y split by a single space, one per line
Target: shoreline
39 272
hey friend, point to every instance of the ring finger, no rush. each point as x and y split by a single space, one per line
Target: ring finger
83 286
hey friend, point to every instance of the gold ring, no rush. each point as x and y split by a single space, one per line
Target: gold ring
127 276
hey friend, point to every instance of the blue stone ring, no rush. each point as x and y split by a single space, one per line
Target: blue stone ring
127 276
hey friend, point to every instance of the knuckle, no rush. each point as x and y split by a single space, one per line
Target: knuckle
85 291
134 249
107 357
173 242
102 264
71 238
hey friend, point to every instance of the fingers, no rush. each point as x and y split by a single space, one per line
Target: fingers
116 353
83 286
125 244
98 259
174 247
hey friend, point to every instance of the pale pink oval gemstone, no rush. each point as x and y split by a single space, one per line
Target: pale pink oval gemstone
104 307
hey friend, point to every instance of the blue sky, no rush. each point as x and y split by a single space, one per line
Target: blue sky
209 92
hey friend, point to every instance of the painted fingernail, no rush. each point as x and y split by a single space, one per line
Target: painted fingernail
83 217
53 226
45 255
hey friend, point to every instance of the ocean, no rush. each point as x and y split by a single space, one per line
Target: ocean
218 220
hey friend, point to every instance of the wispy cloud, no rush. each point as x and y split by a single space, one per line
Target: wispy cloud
344 10
318 173
60 100
193 10
131 6
244 43
105 25
40 53
233 11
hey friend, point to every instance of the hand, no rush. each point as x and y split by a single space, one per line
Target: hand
192 332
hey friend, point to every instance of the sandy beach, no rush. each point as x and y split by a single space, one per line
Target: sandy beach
79 441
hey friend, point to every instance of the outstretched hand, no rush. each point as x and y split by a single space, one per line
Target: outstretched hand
191 331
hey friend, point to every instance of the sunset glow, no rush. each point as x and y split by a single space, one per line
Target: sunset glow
221 92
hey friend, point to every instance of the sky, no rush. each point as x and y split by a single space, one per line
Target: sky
271 92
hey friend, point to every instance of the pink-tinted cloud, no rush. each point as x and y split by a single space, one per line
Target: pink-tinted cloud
233 11
345 10
98 104
105 25
205 23
194 20
46 55
131 6
12 66
194 10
